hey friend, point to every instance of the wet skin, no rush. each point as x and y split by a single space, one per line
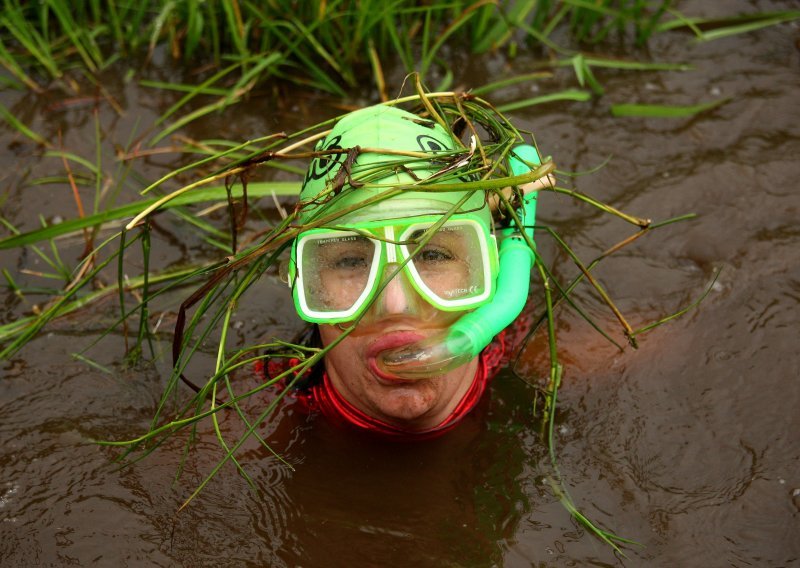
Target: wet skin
398 317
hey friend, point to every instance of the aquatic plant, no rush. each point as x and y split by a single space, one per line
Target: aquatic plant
205 316
240 46
306 37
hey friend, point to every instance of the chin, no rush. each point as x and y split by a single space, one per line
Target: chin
406 404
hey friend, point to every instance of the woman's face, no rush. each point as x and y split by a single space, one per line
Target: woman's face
397 318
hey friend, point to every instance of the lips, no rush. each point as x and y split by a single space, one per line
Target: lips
390 340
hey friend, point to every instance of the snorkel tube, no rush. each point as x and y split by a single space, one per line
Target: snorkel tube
468 336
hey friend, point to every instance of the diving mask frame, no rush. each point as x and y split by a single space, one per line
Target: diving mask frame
391 240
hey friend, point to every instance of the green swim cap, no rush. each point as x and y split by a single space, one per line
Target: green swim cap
379 128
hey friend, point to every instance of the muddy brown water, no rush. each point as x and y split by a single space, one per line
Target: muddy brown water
688 445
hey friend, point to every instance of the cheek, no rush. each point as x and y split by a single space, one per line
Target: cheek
328 333
347 356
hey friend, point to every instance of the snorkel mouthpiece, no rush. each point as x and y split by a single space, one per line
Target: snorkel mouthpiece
467 337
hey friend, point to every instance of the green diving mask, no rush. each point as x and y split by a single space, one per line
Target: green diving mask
451 262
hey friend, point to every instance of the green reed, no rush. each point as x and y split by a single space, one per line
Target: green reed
334 46
205 315
322 44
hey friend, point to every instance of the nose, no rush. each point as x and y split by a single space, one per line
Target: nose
398 297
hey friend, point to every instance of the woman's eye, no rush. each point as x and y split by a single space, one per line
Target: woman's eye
351 263
434 255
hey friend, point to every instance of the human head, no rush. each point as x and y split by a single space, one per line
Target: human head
369 185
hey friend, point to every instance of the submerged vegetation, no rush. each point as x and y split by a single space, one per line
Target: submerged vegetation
235 48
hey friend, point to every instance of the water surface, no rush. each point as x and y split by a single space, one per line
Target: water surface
687 445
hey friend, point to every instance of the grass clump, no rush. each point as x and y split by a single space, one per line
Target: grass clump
337 47
327 45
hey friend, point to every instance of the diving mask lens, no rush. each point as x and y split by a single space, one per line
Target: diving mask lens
452 268
338 272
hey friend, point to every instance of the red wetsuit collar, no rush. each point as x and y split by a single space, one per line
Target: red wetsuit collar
323 397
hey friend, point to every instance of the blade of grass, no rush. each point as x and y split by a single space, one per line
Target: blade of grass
314 71
163 86
64 155
7 61
377 72
638 221
236 27
199 195
496 85
197 90
15 22
664 111
248 79
214 157
54 310
93 364
566 95
679 313
81 41
21 128
696 24
504 26
720 33
548 420
191 117
607 63
214 419
306 33
457 25
158 25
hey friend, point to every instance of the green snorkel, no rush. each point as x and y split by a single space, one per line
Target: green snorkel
468 336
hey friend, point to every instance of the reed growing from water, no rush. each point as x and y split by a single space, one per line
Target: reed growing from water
340 47
325 43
